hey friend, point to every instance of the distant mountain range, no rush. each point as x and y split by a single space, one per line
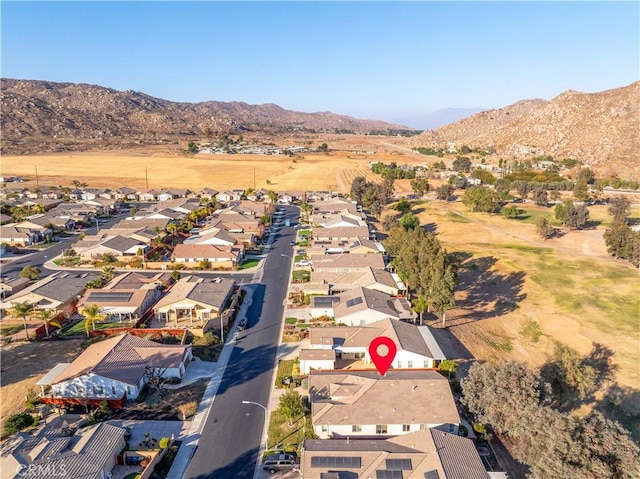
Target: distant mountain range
42 116
601 129
438 118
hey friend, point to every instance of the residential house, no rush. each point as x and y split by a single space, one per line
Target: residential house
364 404
9 286
250 208
195 253
127 297
227 196
338 221
115 369
53 292
147 195
362 306
317 196
4 219
90 453
207 193
237 223
426 454
416 346
344 235
125 193
216 236
317 359
335 206
195 298
288 197
347 263
13 235
368 277
105 244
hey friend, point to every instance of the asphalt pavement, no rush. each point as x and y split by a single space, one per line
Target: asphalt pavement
233 434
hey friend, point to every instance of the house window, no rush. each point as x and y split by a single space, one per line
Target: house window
113 390
129 390
406 427
205 315
409 364
80 390
452 428
424 427
97 390
356 428
325 428
381 429
426 364
399 364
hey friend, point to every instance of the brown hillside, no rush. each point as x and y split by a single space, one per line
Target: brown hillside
600 129
41 116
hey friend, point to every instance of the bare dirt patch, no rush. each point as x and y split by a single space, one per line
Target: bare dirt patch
23 364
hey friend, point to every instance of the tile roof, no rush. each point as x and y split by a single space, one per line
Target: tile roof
317 355
209 292
123 358
362 299
363 397
458 456
204 251
350 261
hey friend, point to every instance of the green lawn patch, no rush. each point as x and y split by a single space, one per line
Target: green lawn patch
8 330
497 340
531 331
455 218
301 276
249 263
285 437
290 320
77 329
285 369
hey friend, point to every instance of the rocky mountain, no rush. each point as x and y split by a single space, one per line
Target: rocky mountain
40 116
438 118
601 129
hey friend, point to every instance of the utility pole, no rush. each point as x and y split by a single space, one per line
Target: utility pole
254 178
146 177
37 180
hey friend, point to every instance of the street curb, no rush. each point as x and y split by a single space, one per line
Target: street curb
191 442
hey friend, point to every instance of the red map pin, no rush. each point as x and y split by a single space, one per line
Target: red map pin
382 361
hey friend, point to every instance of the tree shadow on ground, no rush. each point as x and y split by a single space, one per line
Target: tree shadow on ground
622 403
430 228
489 293
600 359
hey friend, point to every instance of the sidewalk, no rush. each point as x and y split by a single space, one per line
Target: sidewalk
186 451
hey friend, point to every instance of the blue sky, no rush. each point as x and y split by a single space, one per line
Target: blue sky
382 60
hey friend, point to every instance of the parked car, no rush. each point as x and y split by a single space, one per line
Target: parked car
303 262
242 324
292 243
279 462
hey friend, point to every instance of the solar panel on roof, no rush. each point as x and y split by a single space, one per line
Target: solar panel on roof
330 461
431 475
105 297
384 474
354 301
399 464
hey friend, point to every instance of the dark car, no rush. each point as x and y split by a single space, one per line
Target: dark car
242 324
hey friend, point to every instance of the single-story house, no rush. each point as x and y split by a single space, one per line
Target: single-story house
115 369
195 253
120 304
417 348
425 454
115 245
195 298
229 195
317 359
348 263
9 286
372 278
13 235
366 404
90 453
362 306
341 234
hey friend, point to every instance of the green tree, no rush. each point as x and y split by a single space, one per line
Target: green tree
619 208
622 242
409 221
420 305
581 190
18 422
91 315
22 310
403 206
420 186
164 443
204 264
290 406
567 374
462 163
192 147
509 211
449 366
45 316
273 196
444 192
32 273
480 198
389 222
544 228
540 196
175 275
324 148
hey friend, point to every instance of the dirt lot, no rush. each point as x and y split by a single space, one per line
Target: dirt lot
23 364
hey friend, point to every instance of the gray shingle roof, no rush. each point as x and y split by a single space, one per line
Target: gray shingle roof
458 456
121 243
65 286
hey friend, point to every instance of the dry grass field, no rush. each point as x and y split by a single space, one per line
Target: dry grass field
169 167
518 293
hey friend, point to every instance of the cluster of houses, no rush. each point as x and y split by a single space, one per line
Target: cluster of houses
405 424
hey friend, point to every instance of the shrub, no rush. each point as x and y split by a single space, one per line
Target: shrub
164 443
18 422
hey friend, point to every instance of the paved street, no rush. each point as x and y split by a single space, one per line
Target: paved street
233 436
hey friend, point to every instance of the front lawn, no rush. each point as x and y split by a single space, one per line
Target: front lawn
301 276
285 370
288 438
248 263
9 329
77 329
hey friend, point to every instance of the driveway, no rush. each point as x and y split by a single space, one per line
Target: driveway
155 429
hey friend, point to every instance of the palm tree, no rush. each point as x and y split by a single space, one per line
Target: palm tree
419 305
22 310
91 315
45 315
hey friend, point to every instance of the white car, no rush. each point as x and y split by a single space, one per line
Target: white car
303 262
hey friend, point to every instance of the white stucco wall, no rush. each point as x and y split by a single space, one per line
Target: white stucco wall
369 430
